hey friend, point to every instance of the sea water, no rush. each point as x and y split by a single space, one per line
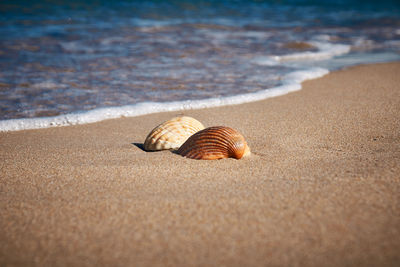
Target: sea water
68 62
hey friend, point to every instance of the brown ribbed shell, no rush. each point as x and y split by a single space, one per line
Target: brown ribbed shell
172 133
216 142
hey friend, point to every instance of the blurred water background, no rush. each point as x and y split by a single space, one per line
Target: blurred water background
83 61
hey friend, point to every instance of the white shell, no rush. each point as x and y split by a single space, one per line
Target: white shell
172 134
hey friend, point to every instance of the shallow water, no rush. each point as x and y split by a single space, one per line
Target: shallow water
65 57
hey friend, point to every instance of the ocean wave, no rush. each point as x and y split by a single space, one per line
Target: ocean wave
290 82
325 51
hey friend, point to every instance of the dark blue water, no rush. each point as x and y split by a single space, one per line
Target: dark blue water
61 57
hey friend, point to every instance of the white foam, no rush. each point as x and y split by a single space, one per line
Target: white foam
48 85
76 47
323 37
325 51
393 43
291 82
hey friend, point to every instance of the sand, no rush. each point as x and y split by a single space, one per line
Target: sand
322 187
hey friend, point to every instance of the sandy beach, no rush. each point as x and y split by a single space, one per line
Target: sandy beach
322 187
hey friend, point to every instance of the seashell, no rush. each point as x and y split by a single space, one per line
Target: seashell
172 134
216 142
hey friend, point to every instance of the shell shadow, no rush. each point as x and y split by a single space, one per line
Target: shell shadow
174 151
140 146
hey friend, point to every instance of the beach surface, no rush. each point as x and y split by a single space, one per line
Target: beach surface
322 187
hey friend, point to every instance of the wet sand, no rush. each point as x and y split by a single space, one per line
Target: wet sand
322 187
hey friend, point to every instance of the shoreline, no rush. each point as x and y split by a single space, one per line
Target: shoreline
320 188
291 83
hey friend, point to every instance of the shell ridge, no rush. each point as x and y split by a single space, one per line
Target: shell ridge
172 134
237 146
208 149
213 135
231 143
205 142
164 133
198 155
214 143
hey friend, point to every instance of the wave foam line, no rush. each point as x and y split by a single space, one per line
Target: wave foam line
325 51
291 82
